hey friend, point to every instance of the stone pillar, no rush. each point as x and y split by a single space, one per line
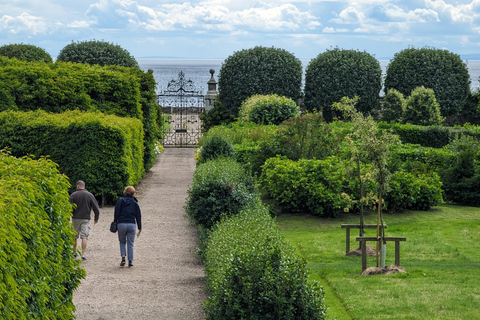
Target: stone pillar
211 95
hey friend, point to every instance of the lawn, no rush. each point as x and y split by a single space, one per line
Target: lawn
441 258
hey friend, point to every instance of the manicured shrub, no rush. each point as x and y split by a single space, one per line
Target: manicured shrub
408 191
215 147
253 273
38 274
106 151
307 186
393 106
422 108
26 52
220 188
268 109
97 52
440 70
339 73
434 159
259 70
125 92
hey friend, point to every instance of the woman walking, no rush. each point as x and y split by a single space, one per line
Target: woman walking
127 213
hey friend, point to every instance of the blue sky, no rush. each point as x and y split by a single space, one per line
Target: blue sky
215 29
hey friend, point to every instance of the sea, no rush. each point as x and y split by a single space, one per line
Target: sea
198 71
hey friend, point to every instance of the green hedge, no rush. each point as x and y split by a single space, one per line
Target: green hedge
313 186
220 187
38 273
435 159
253 273
57 87
105 151
429 136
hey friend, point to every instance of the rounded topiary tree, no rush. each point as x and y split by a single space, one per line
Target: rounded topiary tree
268 109
339 73
259 70
214 147
441 70
393 106
26 52
422 108
97 52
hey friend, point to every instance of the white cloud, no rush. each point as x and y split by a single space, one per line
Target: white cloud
23 23
396 13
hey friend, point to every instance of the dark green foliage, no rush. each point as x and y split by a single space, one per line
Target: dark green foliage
214 147
471 109
253 273
422 108
408 191
307 186
125 92
462 181
26 52
393 106
429 136
38 273
220 187
97 52
440 70
259 70
218 115
305 137
268 109
105 151
339 73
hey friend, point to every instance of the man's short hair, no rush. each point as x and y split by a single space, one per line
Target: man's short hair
81 184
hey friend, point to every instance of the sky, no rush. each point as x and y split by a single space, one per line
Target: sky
215 29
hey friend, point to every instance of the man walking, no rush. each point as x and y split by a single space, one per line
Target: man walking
85 202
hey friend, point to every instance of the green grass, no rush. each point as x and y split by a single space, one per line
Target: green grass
441 258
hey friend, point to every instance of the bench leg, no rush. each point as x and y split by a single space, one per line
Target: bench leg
347 242
363 245
397 253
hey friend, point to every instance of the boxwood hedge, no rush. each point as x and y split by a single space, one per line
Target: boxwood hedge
106 151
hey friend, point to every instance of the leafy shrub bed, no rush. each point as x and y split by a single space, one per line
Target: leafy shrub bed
38 273
253 273
104 150
220 187
327 188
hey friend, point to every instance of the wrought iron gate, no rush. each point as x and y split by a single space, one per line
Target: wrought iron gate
182 103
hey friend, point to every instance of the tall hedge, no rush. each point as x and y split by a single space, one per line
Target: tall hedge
259 70
26 52
440 70
38 273
97 52
339 73
105 151
125 92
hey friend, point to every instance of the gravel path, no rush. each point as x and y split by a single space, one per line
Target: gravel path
167 280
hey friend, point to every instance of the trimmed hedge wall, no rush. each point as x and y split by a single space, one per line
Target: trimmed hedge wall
429 136
105 151
253 273
38 273
57 87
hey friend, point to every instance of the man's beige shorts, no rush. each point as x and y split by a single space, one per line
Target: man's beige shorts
82 227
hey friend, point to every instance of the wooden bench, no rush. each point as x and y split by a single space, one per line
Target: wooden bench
363 245
357 226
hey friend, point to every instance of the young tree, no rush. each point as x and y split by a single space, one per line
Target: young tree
393 106
422 108
369 145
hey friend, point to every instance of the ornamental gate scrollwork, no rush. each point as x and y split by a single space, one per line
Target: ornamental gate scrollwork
182 103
